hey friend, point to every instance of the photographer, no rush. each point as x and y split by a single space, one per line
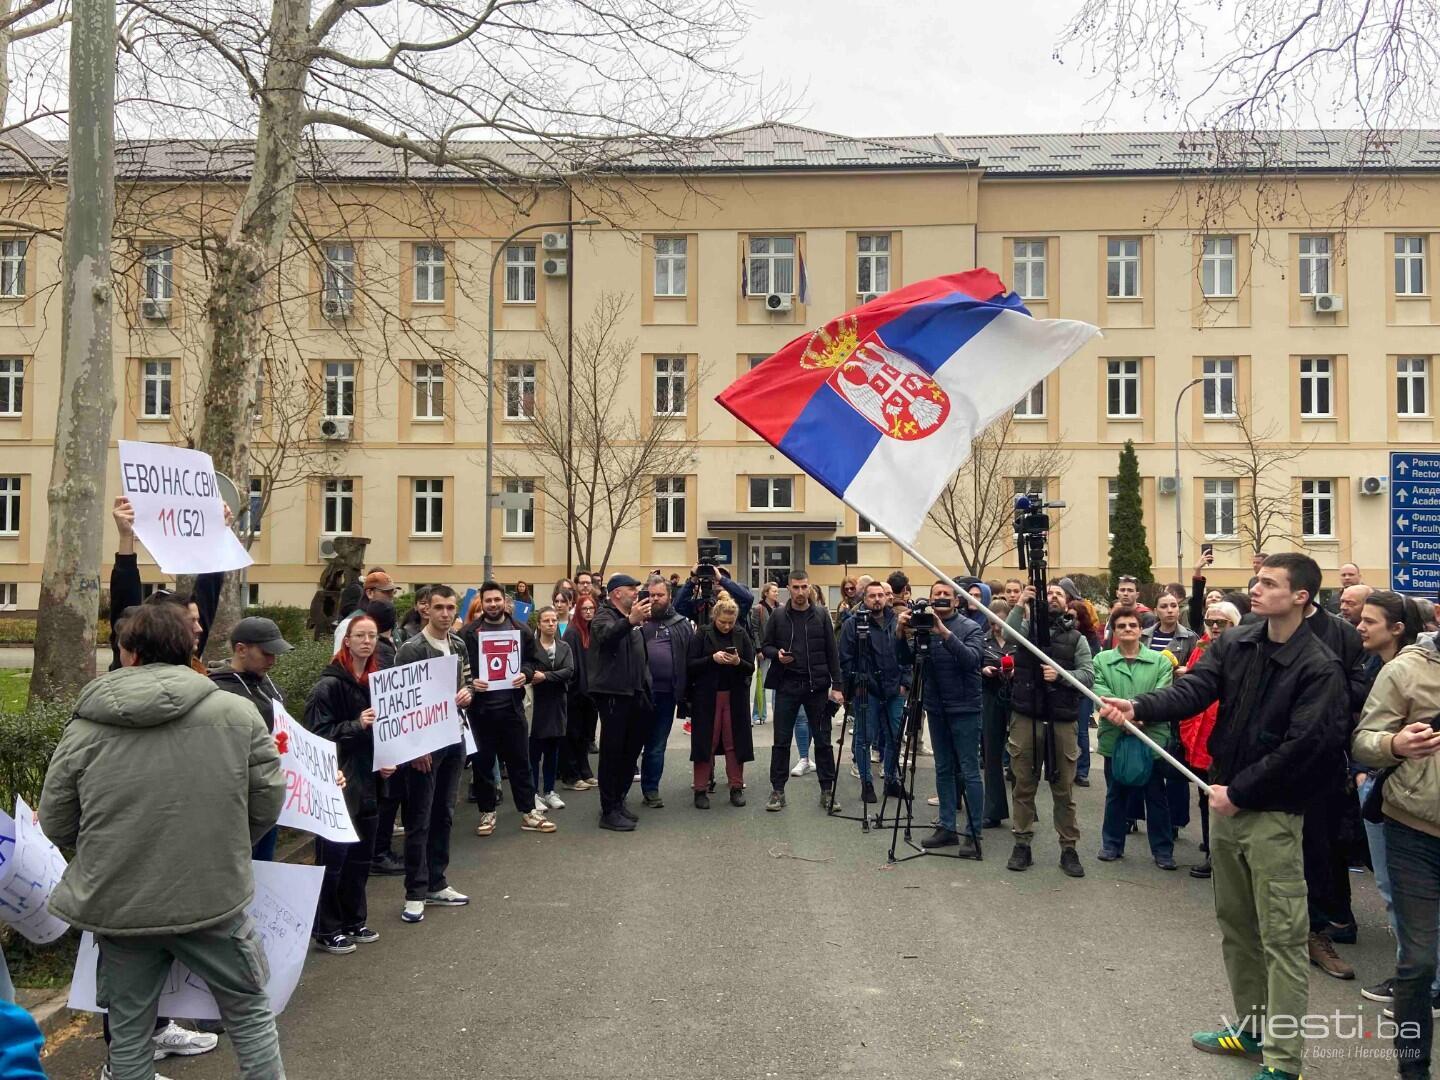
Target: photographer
869 659
696 598
951 696
1043 739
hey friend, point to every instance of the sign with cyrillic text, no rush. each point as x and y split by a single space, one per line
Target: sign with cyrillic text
30 868
179 515
415 710
313 799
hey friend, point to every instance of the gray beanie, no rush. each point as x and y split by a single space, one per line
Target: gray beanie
1069 586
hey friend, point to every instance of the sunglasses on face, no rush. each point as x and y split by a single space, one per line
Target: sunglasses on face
1217 624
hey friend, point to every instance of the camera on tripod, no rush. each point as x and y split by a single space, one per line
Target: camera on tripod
1032 528
705 574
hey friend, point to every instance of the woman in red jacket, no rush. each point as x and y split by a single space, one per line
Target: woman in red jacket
1195 732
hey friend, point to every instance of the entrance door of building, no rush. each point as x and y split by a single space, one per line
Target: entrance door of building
771 559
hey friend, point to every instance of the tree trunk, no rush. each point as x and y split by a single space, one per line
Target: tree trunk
234 338
70 584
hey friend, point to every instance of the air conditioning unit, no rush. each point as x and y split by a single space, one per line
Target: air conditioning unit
335 429
1329 303
336 307
327 547
779 302
555 267
1372 485
155 309
865 298
554 241
1167 485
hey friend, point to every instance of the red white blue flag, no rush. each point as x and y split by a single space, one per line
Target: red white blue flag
881 404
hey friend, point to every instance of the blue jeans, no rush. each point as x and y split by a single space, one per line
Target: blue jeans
264 849
1157 814
652 760
955 739
1082 736
879 727
1414 861
802 733
1375 834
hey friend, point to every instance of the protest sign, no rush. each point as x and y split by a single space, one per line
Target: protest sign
415 711
313 799
30 868
499 659
179 516
283 910
523 610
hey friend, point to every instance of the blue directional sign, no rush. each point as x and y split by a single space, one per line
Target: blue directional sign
1415 523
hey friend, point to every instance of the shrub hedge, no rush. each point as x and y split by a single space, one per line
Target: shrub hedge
22 631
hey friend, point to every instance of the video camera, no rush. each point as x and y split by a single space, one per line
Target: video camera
705 574
1032 528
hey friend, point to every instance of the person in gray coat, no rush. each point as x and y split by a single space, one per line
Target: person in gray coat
550 682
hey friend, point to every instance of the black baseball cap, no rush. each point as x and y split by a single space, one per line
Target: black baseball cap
256 630
618 581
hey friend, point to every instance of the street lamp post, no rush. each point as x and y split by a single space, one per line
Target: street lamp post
1179 533
490 377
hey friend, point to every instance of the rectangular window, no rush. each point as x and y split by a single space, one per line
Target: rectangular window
429 382
520 390
252 594
772 493
12 386
1409 266
1122 389
670 506
338 292
258 414
1032 405
1314 265
1112 496
1029 263
866 527
520 521
872 263
1219 508
756 359
520 274
9 505
159 261
1412 386
429 274
256 512
155 385
339 390
1122 268
1317 375
9 596
339 507
669 386
671 264
1317 509
1217 266
1219 387
770 266
429 500
12 268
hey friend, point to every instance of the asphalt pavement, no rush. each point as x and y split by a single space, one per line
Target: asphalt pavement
739 943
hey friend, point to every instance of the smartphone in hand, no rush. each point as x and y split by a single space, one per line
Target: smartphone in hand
1207 549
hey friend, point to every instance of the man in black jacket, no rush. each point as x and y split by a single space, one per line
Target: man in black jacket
618 675
1279 732
804 673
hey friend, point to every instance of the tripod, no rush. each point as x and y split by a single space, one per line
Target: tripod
860 705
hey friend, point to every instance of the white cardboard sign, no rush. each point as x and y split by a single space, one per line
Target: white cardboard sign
313 799
500 659
415 710
30 868
179 515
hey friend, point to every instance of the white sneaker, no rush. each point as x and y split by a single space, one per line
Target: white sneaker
801 767
810 765
855 771
105 1073
554 801
176 1041
414 911
446 897
637 779
540 803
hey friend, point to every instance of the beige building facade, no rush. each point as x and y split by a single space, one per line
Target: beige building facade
1316 328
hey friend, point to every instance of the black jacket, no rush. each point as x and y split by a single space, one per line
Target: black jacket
809 636
616 662
708 679
549 706
125 592
952 671
333 712
879 664
257 689
681 631
1343 640
498 701
1281 727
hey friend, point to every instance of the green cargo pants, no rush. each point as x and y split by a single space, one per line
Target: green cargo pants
1260 904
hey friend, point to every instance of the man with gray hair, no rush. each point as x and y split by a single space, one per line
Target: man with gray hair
1352 600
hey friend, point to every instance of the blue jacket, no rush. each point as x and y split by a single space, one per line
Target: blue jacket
684 601
881 668
952 674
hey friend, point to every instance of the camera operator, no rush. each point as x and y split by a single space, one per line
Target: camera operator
869 658
951 697
804 672
696 598
1043 738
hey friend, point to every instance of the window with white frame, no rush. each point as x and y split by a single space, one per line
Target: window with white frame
1220 503
9 596
1317 382
1112 498
1028 260
338 291
772 493
339 389
520 390
429 274
429 381
770 266
670 386
10 505
672 259
520 521
156 381
12 385
1122 389
1122 267
12 268
1219 387
1409 266
1412 386
1314 265
1217 266
338 509
428 497
255 514
1032 405
866 527
872 263
670 506
1317 509
520 274
159 262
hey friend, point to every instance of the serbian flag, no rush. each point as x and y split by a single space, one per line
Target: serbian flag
881 404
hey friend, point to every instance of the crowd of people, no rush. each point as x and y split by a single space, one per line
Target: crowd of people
1300 720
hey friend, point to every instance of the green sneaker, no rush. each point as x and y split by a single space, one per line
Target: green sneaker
1228 1042
1267 1073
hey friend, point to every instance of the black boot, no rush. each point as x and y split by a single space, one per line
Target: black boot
1201 871
737 796
867 792
1070 863
1020 858
702 801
